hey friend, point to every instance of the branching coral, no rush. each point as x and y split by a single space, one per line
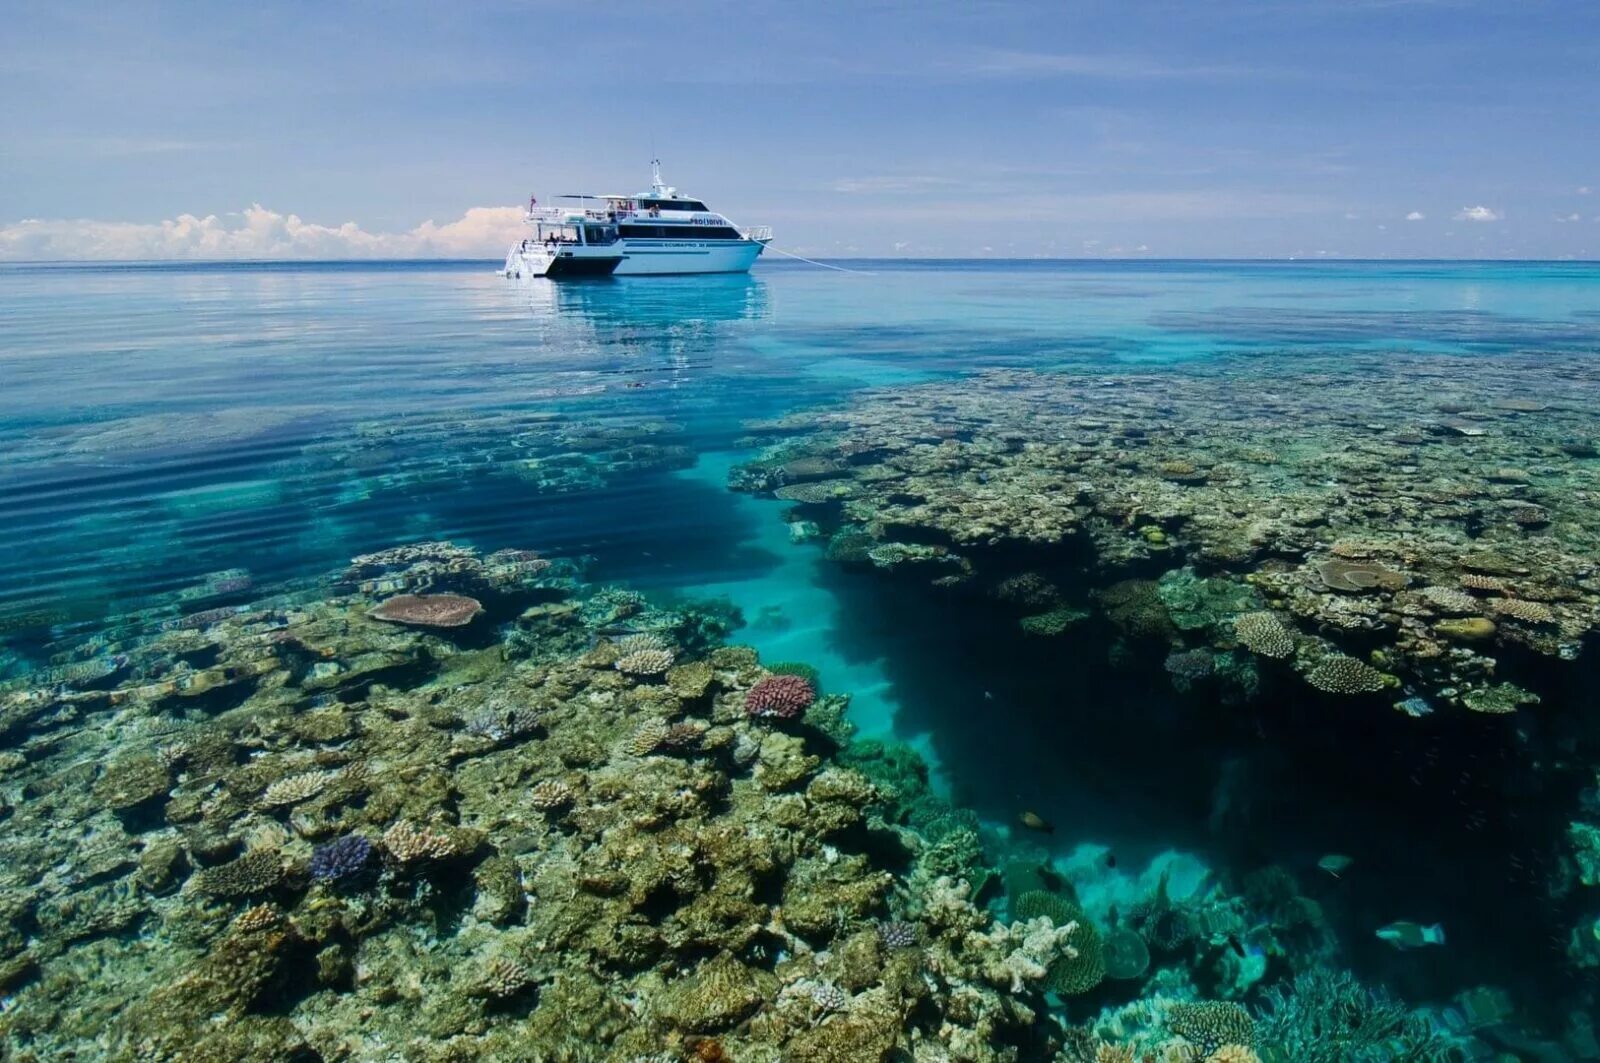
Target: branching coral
1210 1024
1264 634
1347 675
780 696
1026 951
1328 1017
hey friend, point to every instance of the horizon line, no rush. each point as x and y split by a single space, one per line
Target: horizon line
457 260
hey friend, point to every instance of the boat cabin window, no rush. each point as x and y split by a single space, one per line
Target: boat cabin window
672 204
595 235
679 232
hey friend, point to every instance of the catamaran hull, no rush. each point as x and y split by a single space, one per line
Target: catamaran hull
665 257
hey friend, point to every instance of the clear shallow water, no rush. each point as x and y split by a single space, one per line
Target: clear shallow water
159 423
209 432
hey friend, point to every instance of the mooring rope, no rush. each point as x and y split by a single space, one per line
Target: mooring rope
814 262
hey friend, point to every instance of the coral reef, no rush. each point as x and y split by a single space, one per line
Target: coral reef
781 696
335 835
1337 515
1324 1016
429 610
341 859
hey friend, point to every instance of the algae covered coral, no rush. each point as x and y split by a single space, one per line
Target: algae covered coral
1376 524
1361 587
303 830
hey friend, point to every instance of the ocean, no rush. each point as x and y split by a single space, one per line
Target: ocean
1239 613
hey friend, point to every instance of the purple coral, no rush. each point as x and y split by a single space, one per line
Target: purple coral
341 859
896 935
783 696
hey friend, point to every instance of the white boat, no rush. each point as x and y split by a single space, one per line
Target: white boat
657 232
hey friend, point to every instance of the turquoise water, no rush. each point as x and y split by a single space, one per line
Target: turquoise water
203 435
162 422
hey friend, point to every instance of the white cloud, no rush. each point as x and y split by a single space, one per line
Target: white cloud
1583 190
1478 213
258 233
1574 216
1350 215
1415 215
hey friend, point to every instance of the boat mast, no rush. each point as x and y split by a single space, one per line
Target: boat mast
656 184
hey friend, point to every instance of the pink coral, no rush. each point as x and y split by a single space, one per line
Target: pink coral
784 696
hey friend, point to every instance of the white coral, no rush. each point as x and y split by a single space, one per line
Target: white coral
1028 948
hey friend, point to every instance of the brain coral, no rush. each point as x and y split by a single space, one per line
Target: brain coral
783 696
429 610
1346 675
1264 634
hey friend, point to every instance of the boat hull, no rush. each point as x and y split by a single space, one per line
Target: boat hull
667 257
576 262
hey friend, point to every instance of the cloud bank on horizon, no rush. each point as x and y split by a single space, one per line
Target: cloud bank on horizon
1234 128
257 233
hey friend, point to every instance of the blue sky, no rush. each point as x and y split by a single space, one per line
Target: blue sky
1451 128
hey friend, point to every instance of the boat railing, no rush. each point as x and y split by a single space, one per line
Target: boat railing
565 215
759 233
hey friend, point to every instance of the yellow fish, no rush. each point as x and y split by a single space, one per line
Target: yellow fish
1034 821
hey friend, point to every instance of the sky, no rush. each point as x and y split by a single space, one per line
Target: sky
1070 128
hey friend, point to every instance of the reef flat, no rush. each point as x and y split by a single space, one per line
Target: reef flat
450 806
1415 527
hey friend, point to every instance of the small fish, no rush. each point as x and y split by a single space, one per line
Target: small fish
1404 935
1237 946
1334 863
1034 821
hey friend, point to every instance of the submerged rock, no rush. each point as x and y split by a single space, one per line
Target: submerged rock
429 610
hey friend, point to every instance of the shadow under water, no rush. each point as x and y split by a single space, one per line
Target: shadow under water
1448 821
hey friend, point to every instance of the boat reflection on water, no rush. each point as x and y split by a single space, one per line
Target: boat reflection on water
669 323
618 300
